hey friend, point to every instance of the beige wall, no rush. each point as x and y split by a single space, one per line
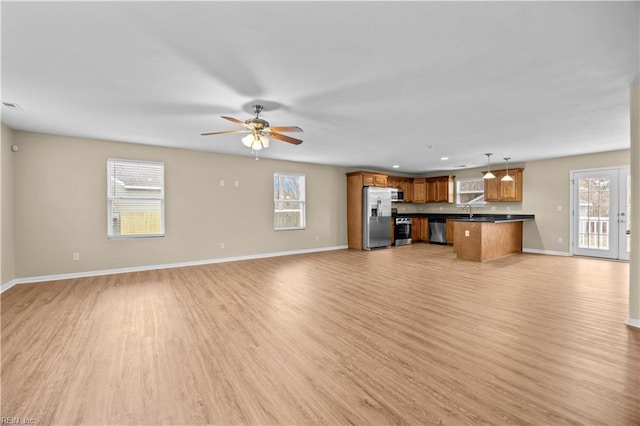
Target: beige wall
7 252
59 186
545 187
60 191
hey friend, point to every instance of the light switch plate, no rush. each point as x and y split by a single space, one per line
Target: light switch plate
466 232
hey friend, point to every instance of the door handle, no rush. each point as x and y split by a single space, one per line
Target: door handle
628 232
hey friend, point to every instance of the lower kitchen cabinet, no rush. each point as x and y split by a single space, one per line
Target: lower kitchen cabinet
449 231
419 229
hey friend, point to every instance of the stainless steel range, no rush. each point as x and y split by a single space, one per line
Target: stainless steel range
402 231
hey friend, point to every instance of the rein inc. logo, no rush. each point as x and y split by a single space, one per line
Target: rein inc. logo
17 421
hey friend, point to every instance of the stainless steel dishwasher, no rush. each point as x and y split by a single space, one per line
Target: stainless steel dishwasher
437 231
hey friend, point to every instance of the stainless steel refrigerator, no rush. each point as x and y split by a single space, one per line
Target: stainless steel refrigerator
376 231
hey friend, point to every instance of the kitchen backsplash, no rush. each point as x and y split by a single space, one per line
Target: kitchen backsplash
500 208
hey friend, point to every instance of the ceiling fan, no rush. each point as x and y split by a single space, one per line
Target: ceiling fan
259 131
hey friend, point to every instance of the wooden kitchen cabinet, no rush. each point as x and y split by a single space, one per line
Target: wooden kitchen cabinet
424 229
431 190
393 182
497 190
374 179
491 189
419 229
512 191
444 189
416 226
439 189
419 190
355 182
449 231
407 187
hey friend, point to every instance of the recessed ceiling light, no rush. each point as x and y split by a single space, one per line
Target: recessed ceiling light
444 158
395 166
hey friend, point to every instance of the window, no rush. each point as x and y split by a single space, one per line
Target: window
135 198
289 201
470 191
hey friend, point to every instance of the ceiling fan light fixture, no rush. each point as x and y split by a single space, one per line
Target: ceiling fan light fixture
264 141
255 142
259 131
247 141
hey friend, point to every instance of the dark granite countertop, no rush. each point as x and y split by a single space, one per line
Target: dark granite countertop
477 217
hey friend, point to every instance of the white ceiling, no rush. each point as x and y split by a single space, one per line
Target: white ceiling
371 83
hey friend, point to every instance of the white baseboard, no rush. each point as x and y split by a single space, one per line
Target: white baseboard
549 252
633 322
6 286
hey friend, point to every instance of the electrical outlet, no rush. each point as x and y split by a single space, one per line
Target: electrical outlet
559 240
236 183
317 237
466 233
221 182
221 245
441 208
559 208
493 208
508 208
76 256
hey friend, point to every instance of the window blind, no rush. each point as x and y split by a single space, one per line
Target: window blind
135 198
289 196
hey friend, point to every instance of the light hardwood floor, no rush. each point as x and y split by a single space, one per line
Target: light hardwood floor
409 335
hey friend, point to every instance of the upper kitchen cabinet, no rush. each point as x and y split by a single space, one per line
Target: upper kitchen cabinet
440 189
499 190
419 190
405 184
433 189
393 182
374 179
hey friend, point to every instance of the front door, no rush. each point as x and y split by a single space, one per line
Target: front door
601 201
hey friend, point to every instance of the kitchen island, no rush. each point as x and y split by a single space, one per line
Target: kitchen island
490 237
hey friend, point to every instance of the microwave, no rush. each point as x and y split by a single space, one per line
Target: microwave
397 196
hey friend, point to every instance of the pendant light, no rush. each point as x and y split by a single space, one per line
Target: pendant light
489 175
507 177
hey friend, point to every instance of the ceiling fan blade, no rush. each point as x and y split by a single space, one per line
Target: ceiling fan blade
235 120
227 132
284 129
284 138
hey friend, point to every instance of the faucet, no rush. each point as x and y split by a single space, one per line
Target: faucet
470 211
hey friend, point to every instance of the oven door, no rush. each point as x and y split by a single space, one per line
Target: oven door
402 233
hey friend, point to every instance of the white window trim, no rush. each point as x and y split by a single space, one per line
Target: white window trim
110 198
303 203
473 202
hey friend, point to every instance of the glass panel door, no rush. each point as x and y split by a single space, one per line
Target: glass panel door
600 204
